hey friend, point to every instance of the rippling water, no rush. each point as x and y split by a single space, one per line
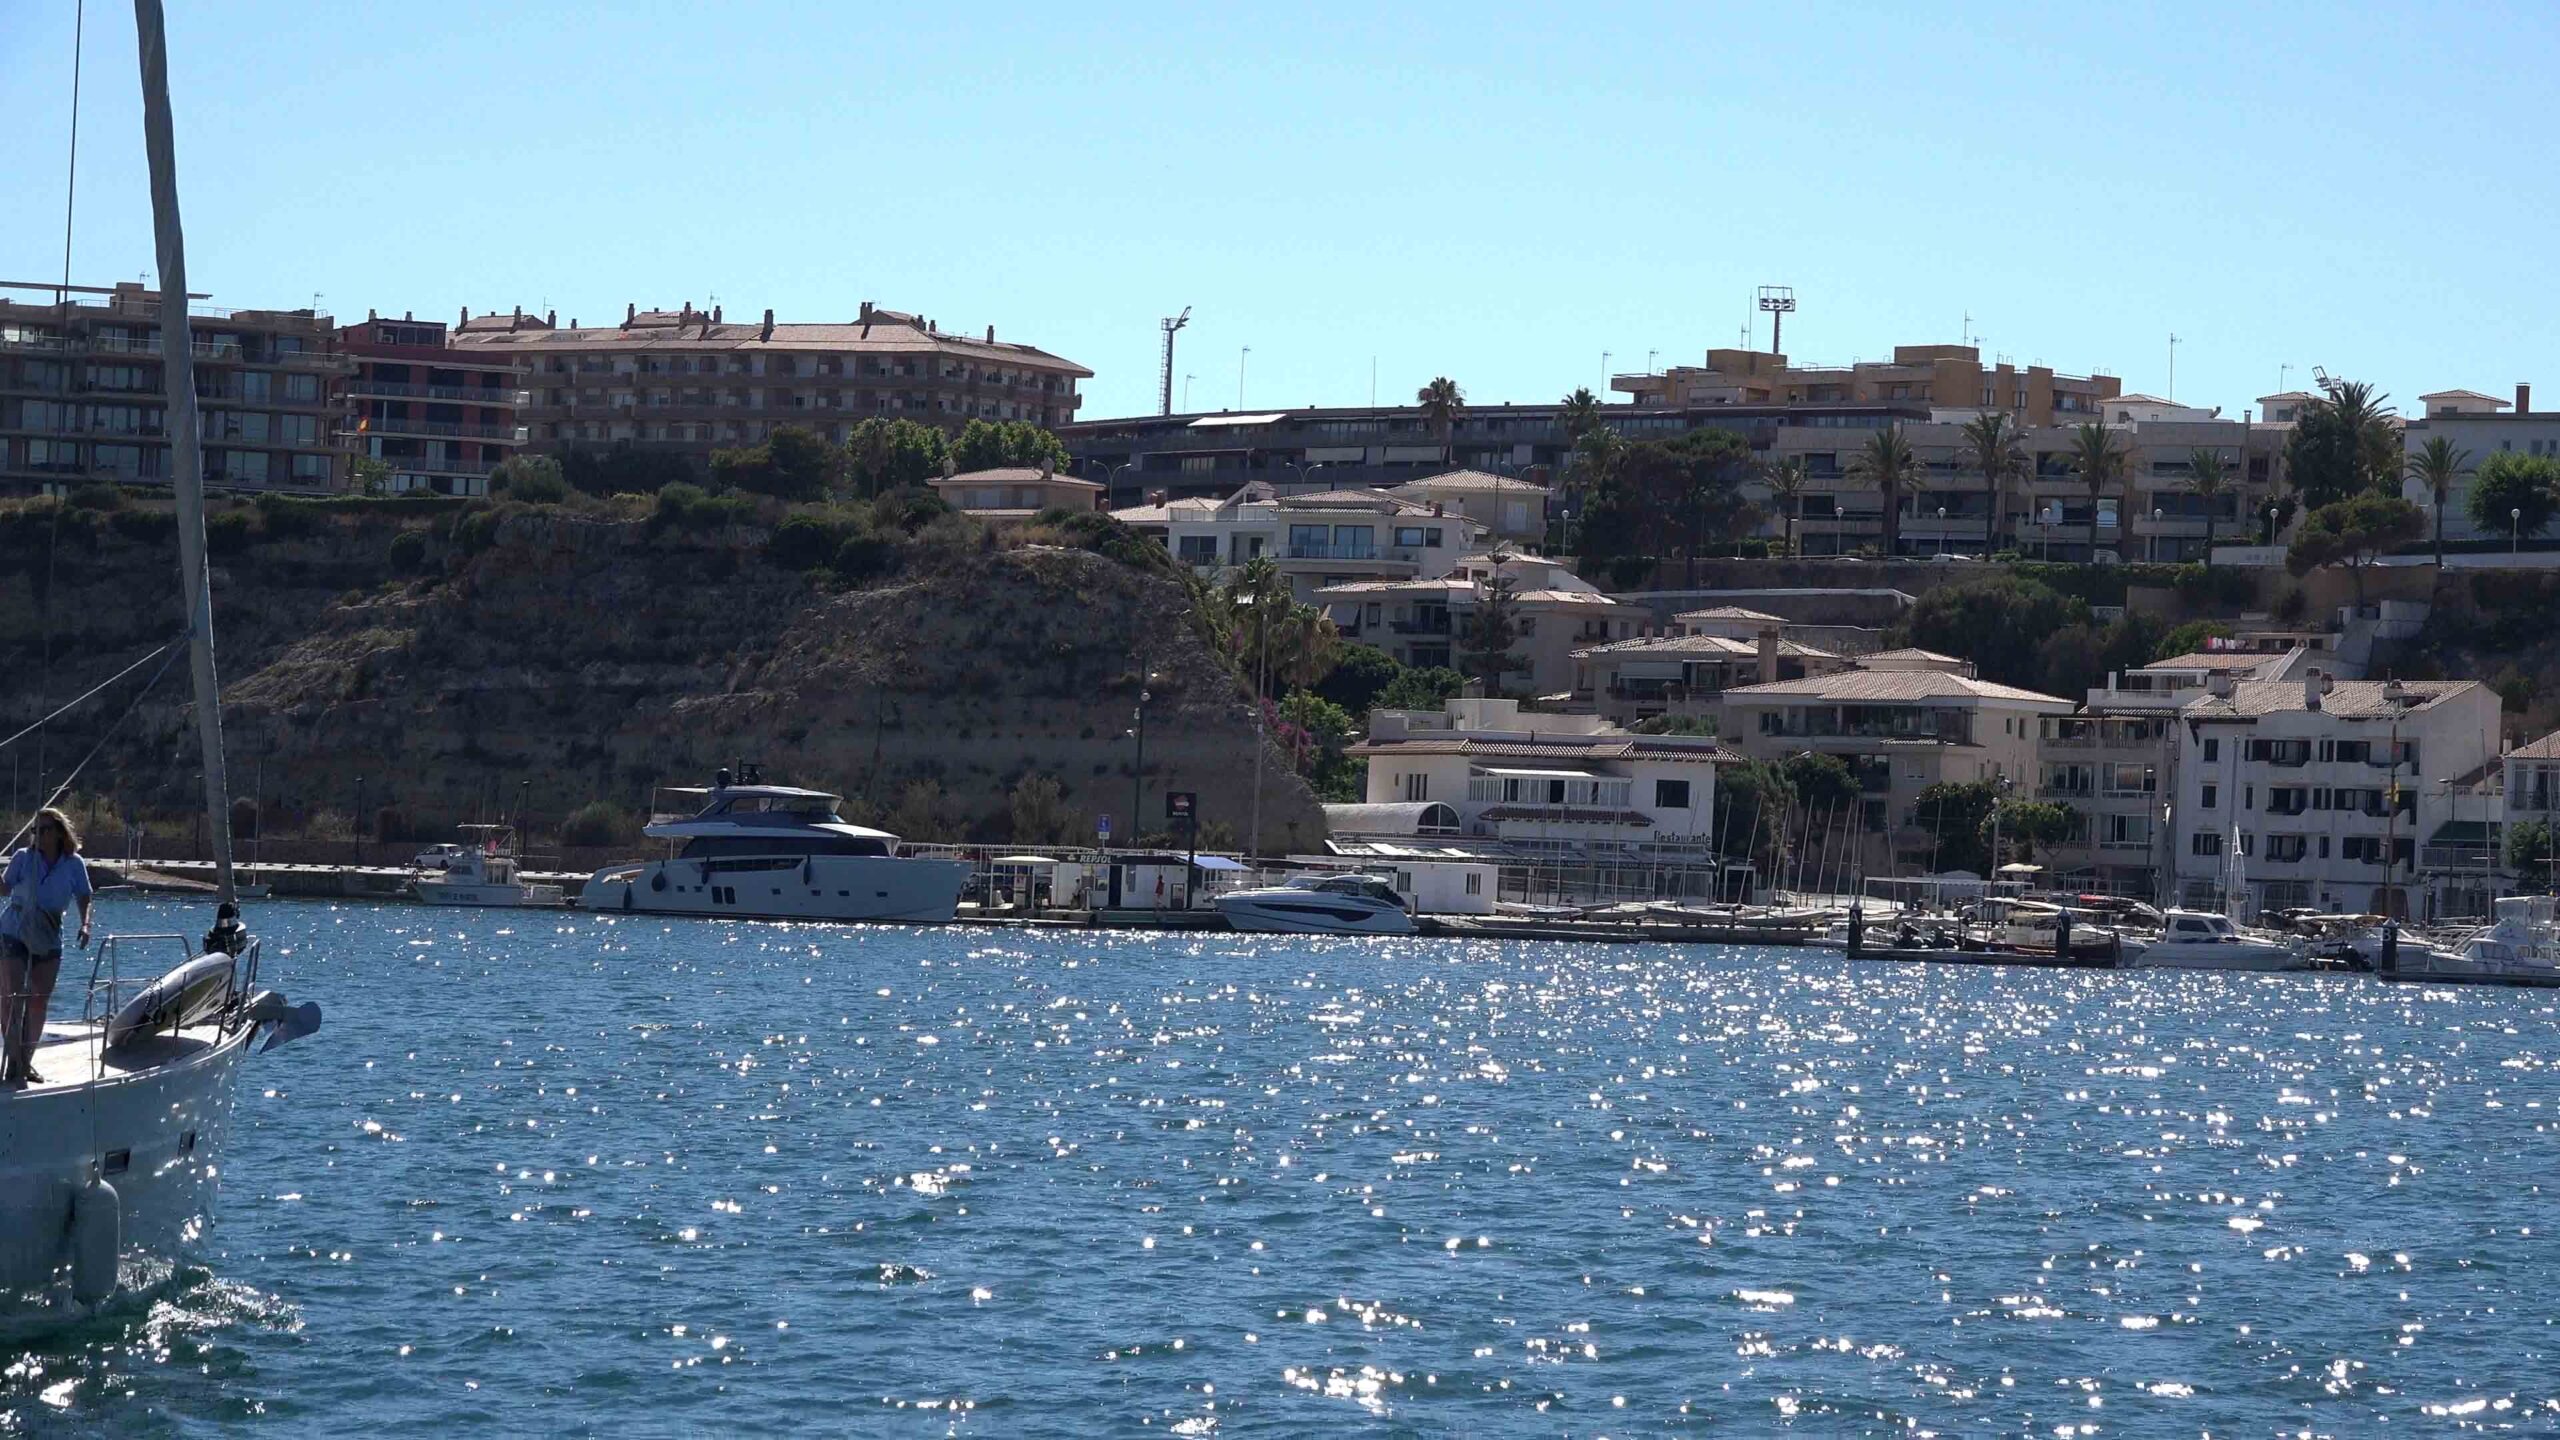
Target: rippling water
575 1174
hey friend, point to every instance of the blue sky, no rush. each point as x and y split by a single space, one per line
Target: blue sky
1438 189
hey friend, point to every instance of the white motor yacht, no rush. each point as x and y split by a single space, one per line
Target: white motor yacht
772 852
1319 905
2520 946
482 874
2202 940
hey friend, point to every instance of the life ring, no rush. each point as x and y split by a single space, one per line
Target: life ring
174 1001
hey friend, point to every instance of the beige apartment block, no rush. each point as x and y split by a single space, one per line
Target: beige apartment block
82 398
1945 376
693 381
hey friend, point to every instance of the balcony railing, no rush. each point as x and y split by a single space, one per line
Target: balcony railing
1436 626
421 465
442 429
471 394
1354 552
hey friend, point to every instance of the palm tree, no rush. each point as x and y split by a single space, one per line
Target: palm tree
1440 401
2210 479
1309 646
1788 480
2099 462
1888 464
2437 466
1581 414
1257 602
2359 410
1991 438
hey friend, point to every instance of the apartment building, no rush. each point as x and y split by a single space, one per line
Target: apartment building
2482 426
691 381
1512 511
1903 722
1319 539
2152 514
2322 788
1424 622
1572 788
1939 376
1686 675
1386 446
439 417
81 393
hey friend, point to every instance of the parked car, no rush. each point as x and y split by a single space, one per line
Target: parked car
438 857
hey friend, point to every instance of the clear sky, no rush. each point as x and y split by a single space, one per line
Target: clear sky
1426 189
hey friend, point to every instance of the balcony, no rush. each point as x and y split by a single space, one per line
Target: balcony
1364 553
442 430
466 393
423 465
1437 625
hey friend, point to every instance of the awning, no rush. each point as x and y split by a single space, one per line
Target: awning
1024 860
1218 862
1212 422
1510 773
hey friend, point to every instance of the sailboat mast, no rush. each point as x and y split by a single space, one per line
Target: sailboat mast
186 454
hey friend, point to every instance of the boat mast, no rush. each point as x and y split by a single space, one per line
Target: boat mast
177 370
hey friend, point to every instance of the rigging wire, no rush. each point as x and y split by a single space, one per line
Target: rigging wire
61 298
70 705
167 654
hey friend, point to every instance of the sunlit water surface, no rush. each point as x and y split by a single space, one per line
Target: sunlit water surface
568 1174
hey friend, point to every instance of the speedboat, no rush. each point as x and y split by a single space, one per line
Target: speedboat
2202 940
2520 946
482 874
1319 905
772 852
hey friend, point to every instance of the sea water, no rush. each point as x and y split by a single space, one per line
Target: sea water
567 1174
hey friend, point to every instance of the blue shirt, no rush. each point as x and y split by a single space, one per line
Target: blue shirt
33 882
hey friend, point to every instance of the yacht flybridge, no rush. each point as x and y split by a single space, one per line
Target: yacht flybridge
773 852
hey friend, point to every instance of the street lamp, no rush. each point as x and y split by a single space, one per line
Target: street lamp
2515 531
1304 470
1138 773
1942 532
2155 532
1109 472
2271 524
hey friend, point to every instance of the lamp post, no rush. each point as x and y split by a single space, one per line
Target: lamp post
1109 473
2515 531
1138 772
359 819
1304 469
2155 532
2271 524
1942 532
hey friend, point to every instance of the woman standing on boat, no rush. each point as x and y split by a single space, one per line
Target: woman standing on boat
42 881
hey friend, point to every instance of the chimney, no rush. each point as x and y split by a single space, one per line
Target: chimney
405 314
715 314
2220 685
465 318
369 315
2524 398
551 318
767 332
866 312
1769 655
630 311
991 334
2311 690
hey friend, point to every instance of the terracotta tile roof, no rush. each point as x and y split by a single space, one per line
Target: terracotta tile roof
2348 699
1729 612
1896 685
889 332
2546 748
1014 475
1914 652
1468 480
2213 660
1702 645
1359 499
1562 749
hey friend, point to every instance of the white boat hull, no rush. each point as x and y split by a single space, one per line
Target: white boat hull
2220 957
152 1133
1308 913
440 892
844 888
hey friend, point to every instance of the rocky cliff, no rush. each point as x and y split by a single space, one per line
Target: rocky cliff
548 657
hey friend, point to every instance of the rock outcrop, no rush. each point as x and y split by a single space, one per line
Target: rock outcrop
549 657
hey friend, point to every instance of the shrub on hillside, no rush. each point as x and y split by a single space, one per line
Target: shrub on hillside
285 518
229 533
865 556
407 553
531 479
805 541
98 495
596 824
689 510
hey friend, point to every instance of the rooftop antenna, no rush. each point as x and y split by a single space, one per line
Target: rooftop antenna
2173 367
1171 323
2320 377
1649 357
2283 374
1779 301
1968 327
